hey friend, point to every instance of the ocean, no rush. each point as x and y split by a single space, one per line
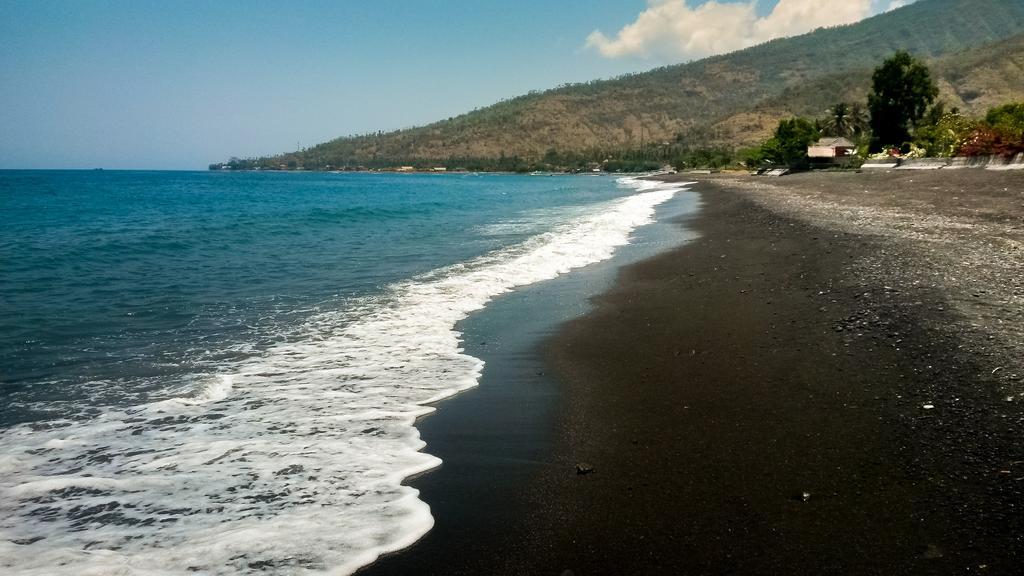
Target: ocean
220 373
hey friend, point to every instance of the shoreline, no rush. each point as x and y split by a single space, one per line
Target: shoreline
493 438
781 423
780 397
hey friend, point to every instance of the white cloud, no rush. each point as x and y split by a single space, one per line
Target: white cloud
894 4
672 29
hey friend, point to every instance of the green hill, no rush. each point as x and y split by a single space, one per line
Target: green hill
973 80
974 46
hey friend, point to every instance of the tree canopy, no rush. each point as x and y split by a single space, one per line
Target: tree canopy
902 90
789 145
1008 119
845 120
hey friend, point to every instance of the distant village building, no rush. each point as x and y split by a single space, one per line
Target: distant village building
831 149
405 169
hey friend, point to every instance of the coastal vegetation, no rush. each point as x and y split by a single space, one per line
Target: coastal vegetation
714 112
788 147
846 120
902 117
902 90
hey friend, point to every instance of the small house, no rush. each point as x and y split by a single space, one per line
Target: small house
831 149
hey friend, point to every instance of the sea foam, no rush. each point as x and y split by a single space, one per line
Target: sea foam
291 462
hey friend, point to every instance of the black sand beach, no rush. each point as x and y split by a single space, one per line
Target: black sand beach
816 385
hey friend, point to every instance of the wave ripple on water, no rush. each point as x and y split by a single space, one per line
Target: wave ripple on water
292 462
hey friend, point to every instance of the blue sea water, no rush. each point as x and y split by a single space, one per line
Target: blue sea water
220 372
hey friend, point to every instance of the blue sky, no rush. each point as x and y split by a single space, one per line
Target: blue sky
179 84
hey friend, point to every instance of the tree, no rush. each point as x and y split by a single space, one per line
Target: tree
945 136
838 121
846 120
1008 119
789 145
1002 133
860 118
934 115
902 90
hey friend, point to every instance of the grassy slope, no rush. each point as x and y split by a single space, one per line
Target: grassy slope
731 99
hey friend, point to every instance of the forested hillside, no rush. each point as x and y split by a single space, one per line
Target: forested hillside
972 81
974 46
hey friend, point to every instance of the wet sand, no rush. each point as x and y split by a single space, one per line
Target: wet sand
811 387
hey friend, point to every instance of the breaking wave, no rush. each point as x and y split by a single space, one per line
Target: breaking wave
291 461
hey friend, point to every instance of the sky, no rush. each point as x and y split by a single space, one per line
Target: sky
179 84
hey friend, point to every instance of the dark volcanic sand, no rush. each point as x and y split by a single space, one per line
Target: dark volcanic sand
753 403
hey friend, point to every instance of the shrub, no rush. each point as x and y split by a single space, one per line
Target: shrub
946 136
1002 133
988 141
1007 119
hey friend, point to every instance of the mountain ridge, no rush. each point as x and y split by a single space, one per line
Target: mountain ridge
727 100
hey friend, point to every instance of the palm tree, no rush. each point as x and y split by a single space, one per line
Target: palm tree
837 120
846 120
860 119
